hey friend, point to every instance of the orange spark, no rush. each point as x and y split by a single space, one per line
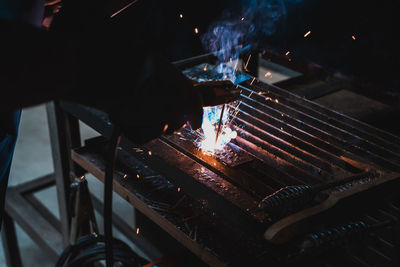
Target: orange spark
287 53
247 62
205 67
122 9
307 34
179 189
165 128
242 19
137 230
137 176
276 101
149 153
196 30
181 16
125 175
353 37
252 81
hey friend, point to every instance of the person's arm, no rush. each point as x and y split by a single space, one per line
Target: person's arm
103 67
28 56
36 66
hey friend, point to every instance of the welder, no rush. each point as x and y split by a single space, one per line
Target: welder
90 58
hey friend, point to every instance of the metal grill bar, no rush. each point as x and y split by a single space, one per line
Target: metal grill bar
322 129
351 125
301 139
318 157
370 135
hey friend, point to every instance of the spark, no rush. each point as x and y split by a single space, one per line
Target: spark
353 37
137 176
165 128
83 177
260 92
276 101
181 16
252 81
242 19
125 175
149 153
196 30
307 34
179 189
205 67
122 9
137 230
268 98
247 63
268 74
287 53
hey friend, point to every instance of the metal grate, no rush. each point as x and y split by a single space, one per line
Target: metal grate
283 140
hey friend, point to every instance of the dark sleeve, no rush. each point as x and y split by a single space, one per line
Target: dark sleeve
105 66
35 66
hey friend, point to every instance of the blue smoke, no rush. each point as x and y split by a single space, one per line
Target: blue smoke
237 31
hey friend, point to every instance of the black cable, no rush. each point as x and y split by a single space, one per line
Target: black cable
93 248
108 183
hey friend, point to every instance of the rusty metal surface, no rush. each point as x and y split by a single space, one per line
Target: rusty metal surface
282 140
202 230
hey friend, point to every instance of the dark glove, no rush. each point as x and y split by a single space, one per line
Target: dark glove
151 113
130 79
209 94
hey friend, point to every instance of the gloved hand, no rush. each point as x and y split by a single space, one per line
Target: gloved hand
126 75
148 115
210 94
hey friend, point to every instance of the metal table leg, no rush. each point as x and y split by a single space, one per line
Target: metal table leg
10 243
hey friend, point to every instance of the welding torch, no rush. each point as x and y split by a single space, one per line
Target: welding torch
213 93
216 93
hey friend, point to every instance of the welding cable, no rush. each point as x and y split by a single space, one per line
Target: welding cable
90 249
108 184
93 248
122 253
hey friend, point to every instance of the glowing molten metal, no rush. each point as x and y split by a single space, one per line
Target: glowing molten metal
211 117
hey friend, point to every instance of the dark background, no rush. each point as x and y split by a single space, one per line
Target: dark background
372 58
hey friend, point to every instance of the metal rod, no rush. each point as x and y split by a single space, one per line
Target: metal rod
219 123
